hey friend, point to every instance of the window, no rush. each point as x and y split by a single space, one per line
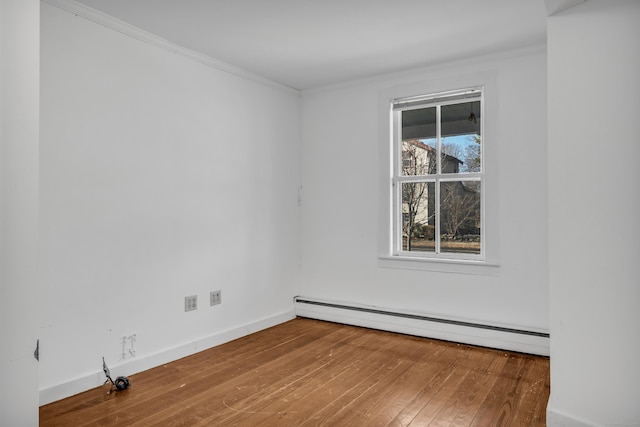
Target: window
438 175
407 159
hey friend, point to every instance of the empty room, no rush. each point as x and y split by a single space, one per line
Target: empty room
297 212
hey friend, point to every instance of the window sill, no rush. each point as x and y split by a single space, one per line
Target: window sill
440 265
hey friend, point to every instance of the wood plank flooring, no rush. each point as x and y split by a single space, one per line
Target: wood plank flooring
312 373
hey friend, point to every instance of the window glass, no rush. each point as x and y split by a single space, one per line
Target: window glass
460 217
460 137
419 141
418 216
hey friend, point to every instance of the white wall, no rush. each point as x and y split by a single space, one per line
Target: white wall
19 41
160 178
594 211
341 200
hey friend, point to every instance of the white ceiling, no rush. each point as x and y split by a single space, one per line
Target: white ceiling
310 43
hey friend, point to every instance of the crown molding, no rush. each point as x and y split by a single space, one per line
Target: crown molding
411 72
122 27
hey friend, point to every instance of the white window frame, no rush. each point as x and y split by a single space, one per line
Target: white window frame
437 100
486 264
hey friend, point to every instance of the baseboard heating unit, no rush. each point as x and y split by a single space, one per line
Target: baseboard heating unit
524 340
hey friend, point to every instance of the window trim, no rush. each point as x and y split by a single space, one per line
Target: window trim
489 264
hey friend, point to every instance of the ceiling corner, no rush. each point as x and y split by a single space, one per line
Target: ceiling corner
556 6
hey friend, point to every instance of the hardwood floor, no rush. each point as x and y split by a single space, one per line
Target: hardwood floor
311 373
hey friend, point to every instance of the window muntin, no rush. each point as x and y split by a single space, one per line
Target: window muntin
437 197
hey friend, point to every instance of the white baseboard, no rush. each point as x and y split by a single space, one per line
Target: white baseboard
524 340
139 364
559 419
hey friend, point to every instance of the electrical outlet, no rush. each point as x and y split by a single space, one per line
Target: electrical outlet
127 346
191 303
215 297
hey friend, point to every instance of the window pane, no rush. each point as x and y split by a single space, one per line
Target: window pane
461 139
419 123
419 141
418 216
460 217
418 157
